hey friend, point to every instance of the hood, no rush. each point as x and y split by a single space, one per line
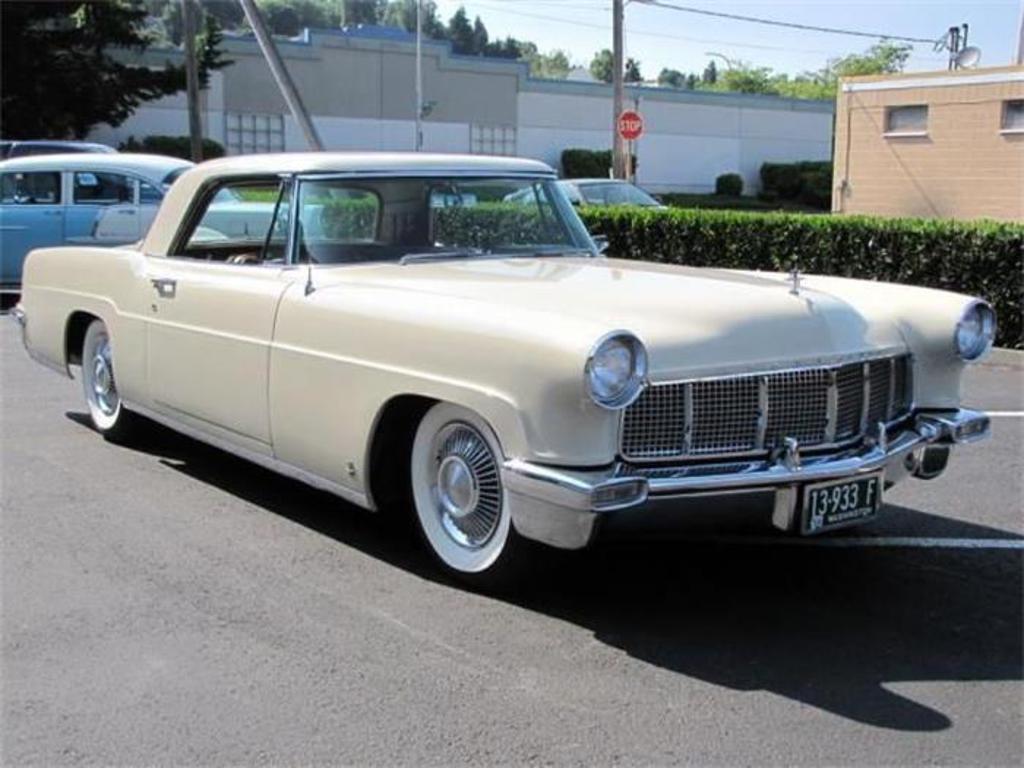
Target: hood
689 318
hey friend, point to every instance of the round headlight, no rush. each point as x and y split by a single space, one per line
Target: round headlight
976 330
616 369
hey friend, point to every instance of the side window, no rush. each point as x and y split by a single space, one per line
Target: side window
148 194
36 188
237 222
93 188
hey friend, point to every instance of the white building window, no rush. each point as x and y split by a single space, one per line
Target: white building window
1013 116
247 134
906 121
492 139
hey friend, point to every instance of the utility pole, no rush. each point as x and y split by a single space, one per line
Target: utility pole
195 126
419 75
618 143
280 73
1020 36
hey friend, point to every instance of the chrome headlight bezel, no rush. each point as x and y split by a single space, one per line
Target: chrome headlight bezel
615 392
971 345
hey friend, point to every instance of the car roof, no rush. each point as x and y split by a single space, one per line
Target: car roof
60 143
597 180
150 166
362 163
368 162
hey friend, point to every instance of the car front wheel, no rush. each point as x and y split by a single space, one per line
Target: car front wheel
461 505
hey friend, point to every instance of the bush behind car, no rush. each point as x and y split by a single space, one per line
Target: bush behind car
980 258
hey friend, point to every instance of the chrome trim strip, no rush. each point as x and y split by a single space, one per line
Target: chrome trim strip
762 413
866 395
832 406
265 461
687 417
892 389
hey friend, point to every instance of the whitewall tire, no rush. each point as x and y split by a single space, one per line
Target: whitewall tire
461 506
99 384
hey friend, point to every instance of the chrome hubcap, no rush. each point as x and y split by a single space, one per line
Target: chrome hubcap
468 488
103 379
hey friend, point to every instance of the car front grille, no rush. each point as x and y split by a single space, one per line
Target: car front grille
818 406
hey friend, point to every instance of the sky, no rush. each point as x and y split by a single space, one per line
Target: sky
659 37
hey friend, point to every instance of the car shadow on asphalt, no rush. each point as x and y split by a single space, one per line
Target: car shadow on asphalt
830 627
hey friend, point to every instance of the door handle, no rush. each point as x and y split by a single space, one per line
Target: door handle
127 212
165 287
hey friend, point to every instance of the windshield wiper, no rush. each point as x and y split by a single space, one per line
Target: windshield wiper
462 253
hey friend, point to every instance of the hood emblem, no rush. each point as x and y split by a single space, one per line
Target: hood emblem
794 280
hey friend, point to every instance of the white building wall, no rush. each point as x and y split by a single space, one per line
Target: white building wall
686 145
342 133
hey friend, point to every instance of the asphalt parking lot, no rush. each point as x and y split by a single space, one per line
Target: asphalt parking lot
167 603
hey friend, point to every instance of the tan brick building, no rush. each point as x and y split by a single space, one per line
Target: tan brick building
937 144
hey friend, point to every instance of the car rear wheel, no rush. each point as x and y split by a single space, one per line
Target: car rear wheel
108 414
461 505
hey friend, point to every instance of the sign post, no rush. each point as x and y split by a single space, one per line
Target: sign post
630 126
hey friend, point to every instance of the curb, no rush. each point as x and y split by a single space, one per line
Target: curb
1003 356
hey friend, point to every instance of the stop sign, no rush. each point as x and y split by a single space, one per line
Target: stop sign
631 125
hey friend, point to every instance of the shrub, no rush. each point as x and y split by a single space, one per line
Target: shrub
816 189
172 146
978 258
781 178
809 181
586 163
729 184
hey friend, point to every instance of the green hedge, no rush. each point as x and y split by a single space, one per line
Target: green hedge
809 182
978 258
586 163
172 146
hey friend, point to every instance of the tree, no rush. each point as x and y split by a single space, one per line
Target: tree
58 74
602 66
551 66
671 78
402 13
632 74
480 38
460 32
509 48
208 46
710 76
744 78
363 12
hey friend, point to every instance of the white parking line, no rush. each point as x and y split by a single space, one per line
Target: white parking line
1005 414
875 541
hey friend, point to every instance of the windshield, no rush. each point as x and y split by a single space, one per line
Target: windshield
360 220
613 193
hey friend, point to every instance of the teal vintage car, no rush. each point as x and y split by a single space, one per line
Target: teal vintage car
84 199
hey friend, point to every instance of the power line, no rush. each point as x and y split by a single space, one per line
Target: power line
787 24
660 35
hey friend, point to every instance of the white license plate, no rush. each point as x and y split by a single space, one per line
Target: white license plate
838 503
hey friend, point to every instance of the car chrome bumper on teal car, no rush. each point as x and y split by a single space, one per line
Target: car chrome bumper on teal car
562 507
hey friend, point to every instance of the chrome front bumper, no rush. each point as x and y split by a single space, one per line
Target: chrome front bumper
562 507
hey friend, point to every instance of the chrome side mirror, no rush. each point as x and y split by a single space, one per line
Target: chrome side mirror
600 242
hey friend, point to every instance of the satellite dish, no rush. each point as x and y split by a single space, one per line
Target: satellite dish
968 58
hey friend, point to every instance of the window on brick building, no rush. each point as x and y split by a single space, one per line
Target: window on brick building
1013 115
911 119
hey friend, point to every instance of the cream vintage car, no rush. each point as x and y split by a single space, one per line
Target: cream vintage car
414 329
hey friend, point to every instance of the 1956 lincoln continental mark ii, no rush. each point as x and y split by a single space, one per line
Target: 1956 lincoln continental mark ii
441 332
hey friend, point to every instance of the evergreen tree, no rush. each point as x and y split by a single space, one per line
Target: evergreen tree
58 74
